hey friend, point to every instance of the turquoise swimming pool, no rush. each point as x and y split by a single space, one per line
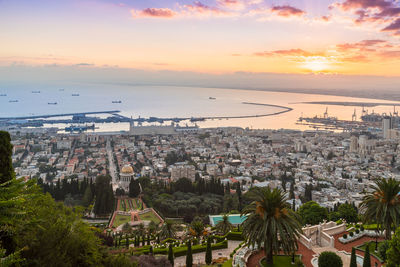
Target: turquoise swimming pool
234 219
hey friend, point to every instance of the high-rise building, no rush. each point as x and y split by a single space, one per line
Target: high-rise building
387 125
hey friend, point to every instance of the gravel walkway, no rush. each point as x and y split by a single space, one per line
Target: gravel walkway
199 258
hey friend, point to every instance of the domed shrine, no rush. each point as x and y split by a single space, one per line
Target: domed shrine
125 177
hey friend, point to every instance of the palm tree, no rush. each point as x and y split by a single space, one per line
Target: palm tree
382 205
270 223
168 229
224 226
196 228
152 228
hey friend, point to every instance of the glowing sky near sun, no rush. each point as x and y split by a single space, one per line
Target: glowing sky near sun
218 36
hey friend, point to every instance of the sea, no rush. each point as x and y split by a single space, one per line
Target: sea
173 101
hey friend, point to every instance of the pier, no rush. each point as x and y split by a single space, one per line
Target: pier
115 117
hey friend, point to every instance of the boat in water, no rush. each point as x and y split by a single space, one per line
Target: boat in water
3 94
13 101
75 95
117 102
35 92
212 98
52 103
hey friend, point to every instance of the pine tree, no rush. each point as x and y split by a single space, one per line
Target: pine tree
171 255
189 256
208 252
367 258
353 259
6 168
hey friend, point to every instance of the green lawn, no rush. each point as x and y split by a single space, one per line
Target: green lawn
149 216
280 261
138 203
121 219
228 263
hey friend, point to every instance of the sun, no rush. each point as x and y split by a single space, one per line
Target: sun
316 63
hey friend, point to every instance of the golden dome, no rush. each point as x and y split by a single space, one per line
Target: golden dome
127 169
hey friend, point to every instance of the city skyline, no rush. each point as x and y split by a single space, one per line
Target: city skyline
350 37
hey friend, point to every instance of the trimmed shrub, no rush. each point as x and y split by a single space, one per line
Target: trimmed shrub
345 236
357 231
362 228
351 234
329 259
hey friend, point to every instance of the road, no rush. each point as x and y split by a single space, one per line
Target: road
111 164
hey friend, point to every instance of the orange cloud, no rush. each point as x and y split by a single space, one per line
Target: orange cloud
154 13
287 11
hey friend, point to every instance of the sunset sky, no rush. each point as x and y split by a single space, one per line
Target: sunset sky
350 37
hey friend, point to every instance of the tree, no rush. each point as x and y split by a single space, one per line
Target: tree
367 257
224 225
171 255
382 205
353 259
291 192
43 231
6 168
329 259
382 249
208 252
271 223
168 229
87 197
104 201
393 252
348 212
151 250
196 228
189 256
312 213
134 188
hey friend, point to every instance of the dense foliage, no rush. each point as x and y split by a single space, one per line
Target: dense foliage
104 202
393 253
6 168
312 213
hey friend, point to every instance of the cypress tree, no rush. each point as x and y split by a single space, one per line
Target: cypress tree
158 239
6 168
151 250
127 242
148 240
353 259
208 252
367 258
171 255
143 241
189 256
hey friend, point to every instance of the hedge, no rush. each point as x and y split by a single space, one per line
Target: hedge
237 236
180 251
